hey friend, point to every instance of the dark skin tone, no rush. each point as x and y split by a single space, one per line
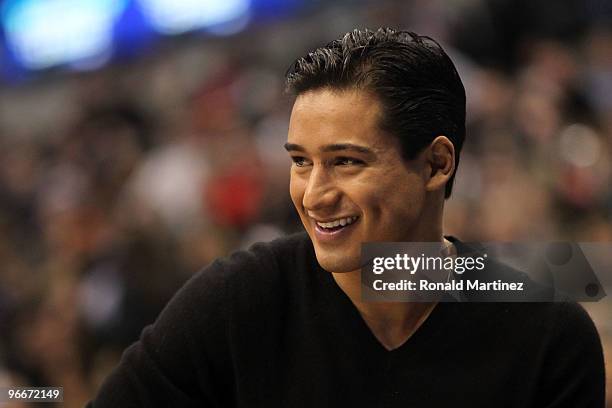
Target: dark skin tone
346 168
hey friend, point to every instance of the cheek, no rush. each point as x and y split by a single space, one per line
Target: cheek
296 191
401 198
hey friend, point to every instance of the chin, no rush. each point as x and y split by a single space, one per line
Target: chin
336 263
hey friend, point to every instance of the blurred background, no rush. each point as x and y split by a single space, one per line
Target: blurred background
141 139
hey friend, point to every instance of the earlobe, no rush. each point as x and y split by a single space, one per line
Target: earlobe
441 162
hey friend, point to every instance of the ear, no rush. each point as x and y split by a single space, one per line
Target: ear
441 160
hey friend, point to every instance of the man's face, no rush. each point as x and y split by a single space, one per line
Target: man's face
349 182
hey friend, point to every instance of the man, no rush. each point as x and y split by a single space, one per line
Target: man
375 135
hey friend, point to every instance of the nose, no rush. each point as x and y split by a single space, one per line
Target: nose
321 191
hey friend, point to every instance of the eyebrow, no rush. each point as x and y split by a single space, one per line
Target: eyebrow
333 148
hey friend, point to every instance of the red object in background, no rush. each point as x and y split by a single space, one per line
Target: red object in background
578 186
233 198
214 106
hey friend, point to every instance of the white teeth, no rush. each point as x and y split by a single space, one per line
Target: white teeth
339 222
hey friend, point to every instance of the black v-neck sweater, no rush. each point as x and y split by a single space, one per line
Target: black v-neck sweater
269 327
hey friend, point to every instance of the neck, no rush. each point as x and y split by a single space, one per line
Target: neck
392 323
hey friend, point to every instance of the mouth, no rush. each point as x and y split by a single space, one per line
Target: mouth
333 229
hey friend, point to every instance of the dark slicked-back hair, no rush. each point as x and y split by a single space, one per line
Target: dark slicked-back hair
417 84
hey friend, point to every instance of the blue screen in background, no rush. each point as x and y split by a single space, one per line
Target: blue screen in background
37 35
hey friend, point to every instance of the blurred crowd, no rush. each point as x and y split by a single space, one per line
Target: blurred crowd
117 185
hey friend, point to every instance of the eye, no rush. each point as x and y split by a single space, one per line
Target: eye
299 161
348 161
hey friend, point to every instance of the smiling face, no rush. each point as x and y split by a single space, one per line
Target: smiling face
349 182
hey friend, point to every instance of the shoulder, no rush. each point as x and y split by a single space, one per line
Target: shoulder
189 352
572 359
555 315
555 345
249 270
281 249
542 325
554 328
262 268
571 326
231 290
263 260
